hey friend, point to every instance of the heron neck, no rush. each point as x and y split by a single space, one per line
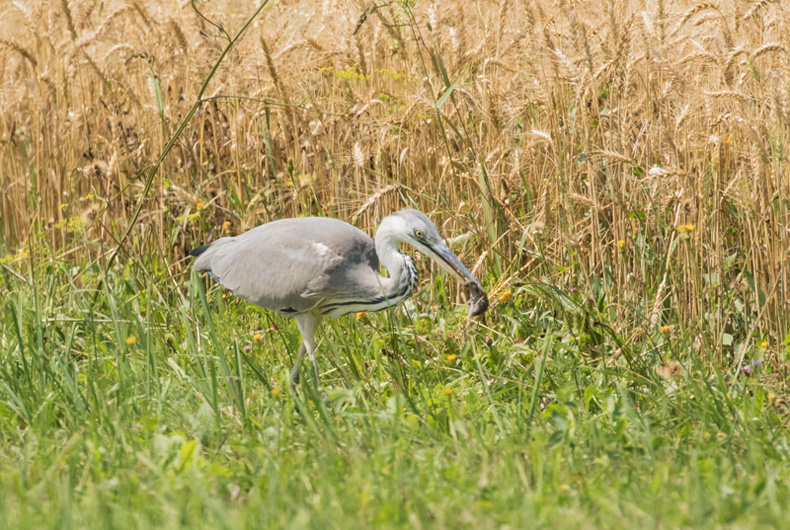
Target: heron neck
401 268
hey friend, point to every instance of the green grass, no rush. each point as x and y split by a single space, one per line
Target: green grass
558 423
132 397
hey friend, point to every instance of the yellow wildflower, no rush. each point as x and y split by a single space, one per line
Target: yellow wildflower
275 391
360 315
771 396
226 225
448 391
451 357
200 205
350 73
664 329
190 217
763 345
505 296
131 340
22 254
620 243
75 224
685 228
257 336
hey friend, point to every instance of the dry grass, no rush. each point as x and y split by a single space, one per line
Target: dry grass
543 150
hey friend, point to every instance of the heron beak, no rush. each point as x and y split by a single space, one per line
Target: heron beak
478 302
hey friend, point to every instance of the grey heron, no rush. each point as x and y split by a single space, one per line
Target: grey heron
310 268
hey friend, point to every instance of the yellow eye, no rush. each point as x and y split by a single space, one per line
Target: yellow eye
419 233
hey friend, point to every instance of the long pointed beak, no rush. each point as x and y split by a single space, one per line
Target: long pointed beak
478 303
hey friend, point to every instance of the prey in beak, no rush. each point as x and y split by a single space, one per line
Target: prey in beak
478 300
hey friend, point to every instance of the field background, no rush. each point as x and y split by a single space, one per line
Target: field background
613 172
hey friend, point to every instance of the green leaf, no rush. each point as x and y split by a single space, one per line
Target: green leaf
447 93
187 455
589 394
755 287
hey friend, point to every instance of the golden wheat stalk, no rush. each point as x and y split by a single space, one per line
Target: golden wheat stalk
768 48
373 199
19 49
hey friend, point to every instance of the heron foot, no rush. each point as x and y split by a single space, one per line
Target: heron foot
295 378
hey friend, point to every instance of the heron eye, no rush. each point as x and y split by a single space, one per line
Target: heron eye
419 233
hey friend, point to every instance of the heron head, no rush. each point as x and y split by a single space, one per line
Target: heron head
413 227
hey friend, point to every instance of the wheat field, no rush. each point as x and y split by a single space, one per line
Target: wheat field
613 171
585 136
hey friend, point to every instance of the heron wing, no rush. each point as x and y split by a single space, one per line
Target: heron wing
292 265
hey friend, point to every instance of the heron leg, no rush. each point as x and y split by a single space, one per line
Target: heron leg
297 365
307 324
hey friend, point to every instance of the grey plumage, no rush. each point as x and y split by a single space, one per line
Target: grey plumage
292 265
315 267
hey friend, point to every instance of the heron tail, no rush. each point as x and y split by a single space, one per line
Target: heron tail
198 251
